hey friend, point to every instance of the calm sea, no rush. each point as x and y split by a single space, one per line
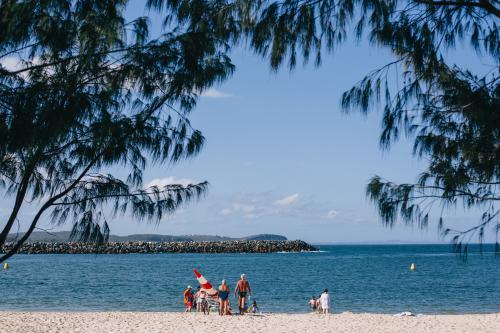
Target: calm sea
360 279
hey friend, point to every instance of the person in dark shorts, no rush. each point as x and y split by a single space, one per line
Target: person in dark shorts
242 288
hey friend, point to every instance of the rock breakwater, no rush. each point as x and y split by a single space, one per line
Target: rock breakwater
243 246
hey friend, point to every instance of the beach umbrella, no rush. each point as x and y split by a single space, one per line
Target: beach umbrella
205 285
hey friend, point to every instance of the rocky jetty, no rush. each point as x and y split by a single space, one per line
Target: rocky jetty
240 246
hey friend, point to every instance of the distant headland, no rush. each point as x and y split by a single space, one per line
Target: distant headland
63 236
57 243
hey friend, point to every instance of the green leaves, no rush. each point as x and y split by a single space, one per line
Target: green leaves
150 204
88 230
457 126
90 91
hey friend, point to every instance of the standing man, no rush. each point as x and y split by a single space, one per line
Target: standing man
242 287
325 301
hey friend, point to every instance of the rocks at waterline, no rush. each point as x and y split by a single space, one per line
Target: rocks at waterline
243 246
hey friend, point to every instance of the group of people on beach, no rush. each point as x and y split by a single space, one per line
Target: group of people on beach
320 303
199 300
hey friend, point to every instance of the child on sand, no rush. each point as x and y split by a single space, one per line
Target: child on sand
202 300
318 304
254 308
312 303
196 304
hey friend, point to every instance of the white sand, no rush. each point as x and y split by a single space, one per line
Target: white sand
151 322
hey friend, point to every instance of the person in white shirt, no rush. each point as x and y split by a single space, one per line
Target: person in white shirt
325 301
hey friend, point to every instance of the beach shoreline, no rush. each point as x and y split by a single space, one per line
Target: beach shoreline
99 322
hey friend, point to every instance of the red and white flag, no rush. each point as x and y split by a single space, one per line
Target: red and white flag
205 285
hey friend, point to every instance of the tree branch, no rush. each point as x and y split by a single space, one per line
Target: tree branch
21 193
47 204
483 4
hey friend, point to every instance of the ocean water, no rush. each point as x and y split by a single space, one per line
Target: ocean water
368 278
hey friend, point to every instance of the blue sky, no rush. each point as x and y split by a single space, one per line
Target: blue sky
281 158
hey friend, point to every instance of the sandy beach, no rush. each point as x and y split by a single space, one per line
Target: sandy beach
151 322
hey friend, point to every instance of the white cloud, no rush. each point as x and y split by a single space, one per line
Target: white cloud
161 182
332 214
245 209
214 93
254 206
225 211
289 200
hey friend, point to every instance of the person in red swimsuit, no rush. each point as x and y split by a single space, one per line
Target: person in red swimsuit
188 299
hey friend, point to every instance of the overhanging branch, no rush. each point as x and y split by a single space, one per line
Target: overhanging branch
483 4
